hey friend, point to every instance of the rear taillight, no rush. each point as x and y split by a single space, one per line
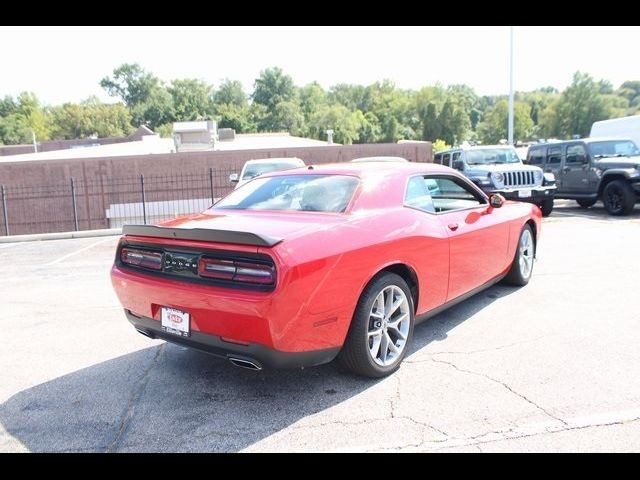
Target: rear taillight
141 258
244 272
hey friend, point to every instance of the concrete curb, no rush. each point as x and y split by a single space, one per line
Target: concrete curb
61 235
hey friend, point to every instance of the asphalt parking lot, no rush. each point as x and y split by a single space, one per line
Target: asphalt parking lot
554 366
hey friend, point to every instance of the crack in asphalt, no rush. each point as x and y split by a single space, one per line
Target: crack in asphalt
506 436
493 349
495 380
136 394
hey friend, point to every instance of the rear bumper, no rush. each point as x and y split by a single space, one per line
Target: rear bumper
257 354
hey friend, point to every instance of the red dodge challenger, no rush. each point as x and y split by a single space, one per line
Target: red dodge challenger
296 268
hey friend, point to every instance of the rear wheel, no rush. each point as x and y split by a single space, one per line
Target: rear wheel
586 203
546 206
618 198
381 328
522 266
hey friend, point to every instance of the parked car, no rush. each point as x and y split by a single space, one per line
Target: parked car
253 168
300 267
498 169
593 169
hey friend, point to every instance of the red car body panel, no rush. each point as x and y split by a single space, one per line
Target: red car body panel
325 261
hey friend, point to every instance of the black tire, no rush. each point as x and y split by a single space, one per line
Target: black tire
618 198
355 355
517 276
586 203
546 207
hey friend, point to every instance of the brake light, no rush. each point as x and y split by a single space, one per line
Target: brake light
141 258
245 272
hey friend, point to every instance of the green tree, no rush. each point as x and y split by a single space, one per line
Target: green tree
231 93
345 124
90 117
240 118
132 83
272 87
191 99
581 104
155 110
494 126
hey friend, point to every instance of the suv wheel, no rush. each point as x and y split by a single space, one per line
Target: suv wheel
618 198
522 266
381 328
586 203
546 206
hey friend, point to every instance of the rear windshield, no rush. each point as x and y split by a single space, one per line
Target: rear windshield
303 193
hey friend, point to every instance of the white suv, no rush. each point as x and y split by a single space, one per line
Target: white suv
253 168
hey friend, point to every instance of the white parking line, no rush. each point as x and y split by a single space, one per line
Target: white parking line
83 249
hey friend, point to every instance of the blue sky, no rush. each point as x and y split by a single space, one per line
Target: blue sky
63 64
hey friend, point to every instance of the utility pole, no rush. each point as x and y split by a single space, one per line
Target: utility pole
510 131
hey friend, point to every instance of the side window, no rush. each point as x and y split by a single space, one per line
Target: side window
418 194
441 194
554 155
437 158
576 154
536 156
456 156
446 159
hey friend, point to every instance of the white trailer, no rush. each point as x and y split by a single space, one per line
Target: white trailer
624 127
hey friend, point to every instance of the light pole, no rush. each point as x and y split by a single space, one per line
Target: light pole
510 130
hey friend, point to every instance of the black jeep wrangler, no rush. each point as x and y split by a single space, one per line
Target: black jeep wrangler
498 169
592 169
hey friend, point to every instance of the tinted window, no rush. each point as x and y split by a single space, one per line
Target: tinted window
446 159
536 157
307 193
456 156
437 158
554 155
576 154
613 148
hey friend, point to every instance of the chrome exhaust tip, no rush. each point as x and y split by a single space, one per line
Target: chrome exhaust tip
243 363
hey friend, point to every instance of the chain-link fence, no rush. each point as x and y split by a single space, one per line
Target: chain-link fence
99 203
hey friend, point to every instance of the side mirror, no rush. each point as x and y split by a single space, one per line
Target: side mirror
584 159
233 178
458 165
496 200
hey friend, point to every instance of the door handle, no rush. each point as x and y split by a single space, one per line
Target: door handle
453 226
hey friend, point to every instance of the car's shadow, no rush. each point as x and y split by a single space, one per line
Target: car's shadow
569 208
168 398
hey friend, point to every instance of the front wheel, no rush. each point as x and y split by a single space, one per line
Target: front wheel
618 198
381 328
522 266
546 207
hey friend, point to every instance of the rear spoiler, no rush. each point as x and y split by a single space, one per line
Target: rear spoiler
201 234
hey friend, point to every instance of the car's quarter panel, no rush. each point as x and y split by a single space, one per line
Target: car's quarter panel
323 275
